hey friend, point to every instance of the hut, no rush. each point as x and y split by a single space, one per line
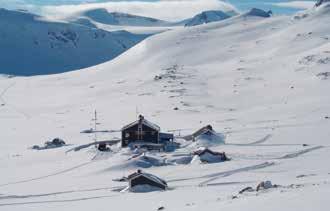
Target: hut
207 130
208 156
144 132
143 182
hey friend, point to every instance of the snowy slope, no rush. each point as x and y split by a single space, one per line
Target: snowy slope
32 46
262 82
115 18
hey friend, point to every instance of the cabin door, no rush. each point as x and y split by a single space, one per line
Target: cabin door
140 133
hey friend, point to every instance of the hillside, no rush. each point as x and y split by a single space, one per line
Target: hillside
30 45
207 17
262 82
115 18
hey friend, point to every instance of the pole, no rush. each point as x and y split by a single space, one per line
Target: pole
95 125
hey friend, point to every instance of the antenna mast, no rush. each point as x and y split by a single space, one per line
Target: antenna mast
95 127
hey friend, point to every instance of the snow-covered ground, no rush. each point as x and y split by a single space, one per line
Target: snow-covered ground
263 82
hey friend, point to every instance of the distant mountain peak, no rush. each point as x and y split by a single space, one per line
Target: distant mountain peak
207 17
320 2
259 13
103 16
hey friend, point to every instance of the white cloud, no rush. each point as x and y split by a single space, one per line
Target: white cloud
296 4
165 9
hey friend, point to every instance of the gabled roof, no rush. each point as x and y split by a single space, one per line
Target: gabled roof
148 176
204 130
203 151
144 122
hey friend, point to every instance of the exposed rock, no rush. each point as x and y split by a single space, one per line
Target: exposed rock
264 185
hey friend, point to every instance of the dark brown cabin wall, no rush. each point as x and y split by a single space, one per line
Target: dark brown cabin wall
150 135
145 181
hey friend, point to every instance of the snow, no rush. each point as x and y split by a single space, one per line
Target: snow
251 78
207 17
116 18
208 140
258 12
47 47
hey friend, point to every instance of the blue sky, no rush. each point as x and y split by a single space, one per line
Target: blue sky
164 9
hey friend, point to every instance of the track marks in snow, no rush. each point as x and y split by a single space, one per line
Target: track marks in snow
49 175
58 201
5 91
215 176
7 197
301 152
264 139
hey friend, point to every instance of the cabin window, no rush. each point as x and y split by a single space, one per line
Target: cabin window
153 133
127 135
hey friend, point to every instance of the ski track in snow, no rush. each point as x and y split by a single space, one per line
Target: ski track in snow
49 175
225 173
57 201
229 173
4 102
263 140
6 197
301 152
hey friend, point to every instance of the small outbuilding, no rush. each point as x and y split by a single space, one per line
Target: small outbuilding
144 182
209 156
207 130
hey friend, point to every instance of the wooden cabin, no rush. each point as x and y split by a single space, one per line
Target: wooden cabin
143 131
143 179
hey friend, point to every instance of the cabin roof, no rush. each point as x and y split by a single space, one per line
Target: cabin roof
204 130
148 176
203 151
144 122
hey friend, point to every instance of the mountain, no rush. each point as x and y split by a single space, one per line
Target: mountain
207 17
115 18
320 2
262 82
259 13
31 45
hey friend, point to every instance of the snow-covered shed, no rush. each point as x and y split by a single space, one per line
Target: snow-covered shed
143 182
207 136
208 156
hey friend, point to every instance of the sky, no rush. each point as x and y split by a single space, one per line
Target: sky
162 9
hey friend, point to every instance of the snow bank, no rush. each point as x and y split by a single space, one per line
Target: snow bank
142 161
209 140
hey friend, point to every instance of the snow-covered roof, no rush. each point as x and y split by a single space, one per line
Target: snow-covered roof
144 122
204 130
201 152
148 176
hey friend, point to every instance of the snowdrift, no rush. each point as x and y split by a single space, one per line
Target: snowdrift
141 161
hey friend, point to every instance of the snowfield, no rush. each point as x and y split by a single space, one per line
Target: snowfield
263 82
